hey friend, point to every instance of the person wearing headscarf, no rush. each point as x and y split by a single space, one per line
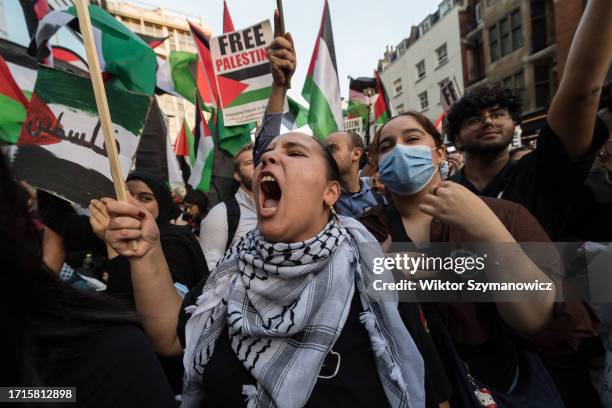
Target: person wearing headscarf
285 319
181 249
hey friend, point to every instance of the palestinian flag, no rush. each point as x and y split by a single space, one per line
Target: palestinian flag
185 145
231 138
13 106
122 53
202 166
177 74
381 106
175 176
295 115
68 56
151 40
228 25
206 81
61 146
322 89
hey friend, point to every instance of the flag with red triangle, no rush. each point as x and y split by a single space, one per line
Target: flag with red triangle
228 24
13 106
230 138
202 163
321 87
381 106
206 81
243 72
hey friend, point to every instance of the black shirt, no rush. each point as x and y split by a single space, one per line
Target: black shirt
113 368
357 383
546 181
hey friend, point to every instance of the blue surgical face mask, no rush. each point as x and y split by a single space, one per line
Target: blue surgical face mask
408 169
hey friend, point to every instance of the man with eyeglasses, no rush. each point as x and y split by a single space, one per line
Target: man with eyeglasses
548 180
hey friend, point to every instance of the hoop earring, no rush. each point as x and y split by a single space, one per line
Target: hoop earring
334 213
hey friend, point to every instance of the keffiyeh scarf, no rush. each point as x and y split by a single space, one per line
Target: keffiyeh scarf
285 306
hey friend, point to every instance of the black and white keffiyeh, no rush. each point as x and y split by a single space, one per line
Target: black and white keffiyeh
285 306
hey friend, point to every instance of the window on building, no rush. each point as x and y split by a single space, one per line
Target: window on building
541 24
543 84
425 26
153 29
185 42
506 36
478 12
442 54
519 84
445 7
494 43
515 82
400 108
517 29
420 69
397 86
132 24
423 100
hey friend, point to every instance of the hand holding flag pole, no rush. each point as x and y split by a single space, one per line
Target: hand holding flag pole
101 102
279 28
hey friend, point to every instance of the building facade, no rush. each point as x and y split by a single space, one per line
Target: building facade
522 44
414 71
160 22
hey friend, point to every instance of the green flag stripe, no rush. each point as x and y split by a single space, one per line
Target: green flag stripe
12 116
127 109
204 184
320 116
382 119
251 96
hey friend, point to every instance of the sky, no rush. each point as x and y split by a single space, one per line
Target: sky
362 28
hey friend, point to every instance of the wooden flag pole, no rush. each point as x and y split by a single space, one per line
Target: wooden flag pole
101 102
281 28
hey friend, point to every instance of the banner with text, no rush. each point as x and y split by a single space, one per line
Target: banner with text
61 145
244 77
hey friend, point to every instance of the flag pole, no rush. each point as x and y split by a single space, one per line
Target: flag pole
101 102
281 28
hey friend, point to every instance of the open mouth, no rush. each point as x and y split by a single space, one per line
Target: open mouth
270 194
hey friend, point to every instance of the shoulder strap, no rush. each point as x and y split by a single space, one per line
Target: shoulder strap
233 218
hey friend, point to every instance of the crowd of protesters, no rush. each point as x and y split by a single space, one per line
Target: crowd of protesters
263 299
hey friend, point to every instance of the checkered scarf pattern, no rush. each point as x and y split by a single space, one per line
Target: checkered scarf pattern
284 306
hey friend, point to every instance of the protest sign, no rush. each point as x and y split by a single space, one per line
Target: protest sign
61 148
243 73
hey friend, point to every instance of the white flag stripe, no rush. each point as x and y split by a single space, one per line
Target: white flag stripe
326 78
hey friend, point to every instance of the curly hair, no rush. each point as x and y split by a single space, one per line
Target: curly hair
475 100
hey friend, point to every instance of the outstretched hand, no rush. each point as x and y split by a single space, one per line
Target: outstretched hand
130 223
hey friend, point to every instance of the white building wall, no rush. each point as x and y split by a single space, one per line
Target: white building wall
446 30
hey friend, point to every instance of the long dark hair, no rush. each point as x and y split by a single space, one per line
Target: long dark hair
41 317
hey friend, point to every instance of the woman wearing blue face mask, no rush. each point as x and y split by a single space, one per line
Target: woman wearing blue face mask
480 340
